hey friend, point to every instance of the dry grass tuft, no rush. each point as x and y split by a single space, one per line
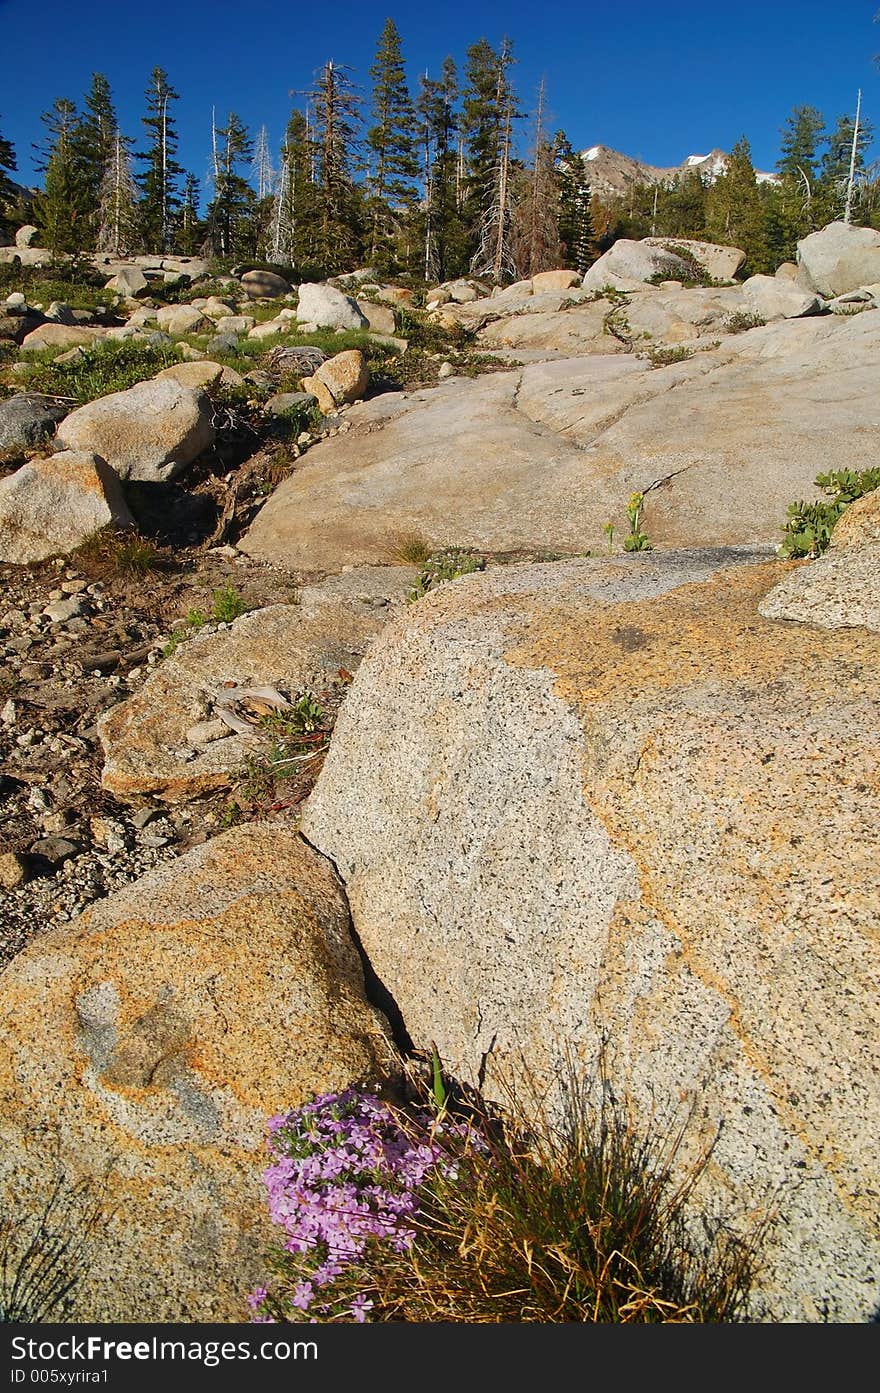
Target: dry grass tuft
408 549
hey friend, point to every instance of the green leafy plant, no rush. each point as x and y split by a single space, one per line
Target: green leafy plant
608 529
443 566
636 541
227 604
302 717
809 526
299 737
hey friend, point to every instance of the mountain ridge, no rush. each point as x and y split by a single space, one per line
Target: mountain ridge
613 172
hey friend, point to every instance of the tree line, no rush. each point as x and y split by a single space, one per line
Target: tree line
766 219
426 184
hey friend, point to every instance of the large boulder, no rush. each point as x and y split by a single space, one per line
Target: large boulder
234 324
265 285
25 235
541 458
579 330
25 256
328 308
719 262
51 335
554 280
775 298
670 315
128 280
178 320
150 431
203 373
25 420
607 800
144 1048
49 507
147 740
634 261
380 318
840 258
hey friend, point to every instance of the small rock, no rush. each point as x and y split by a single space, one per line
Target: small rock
14 870
62 610
54 849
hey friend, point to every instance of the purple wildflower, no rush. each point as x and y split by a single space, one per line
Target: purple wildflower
345 1175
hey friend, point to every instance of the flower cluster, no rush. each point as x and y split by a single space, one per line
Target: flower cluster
345 1175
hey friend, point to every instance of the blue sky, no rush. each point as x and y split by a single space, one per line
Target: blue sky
657 80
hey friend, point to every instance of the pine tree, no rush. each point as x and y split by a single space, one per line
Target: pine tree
95 137
493 256
62 209
159 180
802 134
441 238
333 141
190 231
734 209
481 131
230 225
536 240
118 213
294 229
575 204
681 208
8 165
392 141
836 161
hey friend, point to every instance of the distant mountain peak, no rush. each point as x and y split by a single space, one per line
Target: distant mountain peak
613 172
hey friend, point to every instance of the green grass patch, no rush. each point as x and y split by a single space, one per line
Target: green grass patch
101 368
41 285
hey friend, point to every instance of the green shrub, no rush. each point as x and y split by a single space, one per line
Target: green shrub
661 355
227 604
808 529
78 286
742 320
695 275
